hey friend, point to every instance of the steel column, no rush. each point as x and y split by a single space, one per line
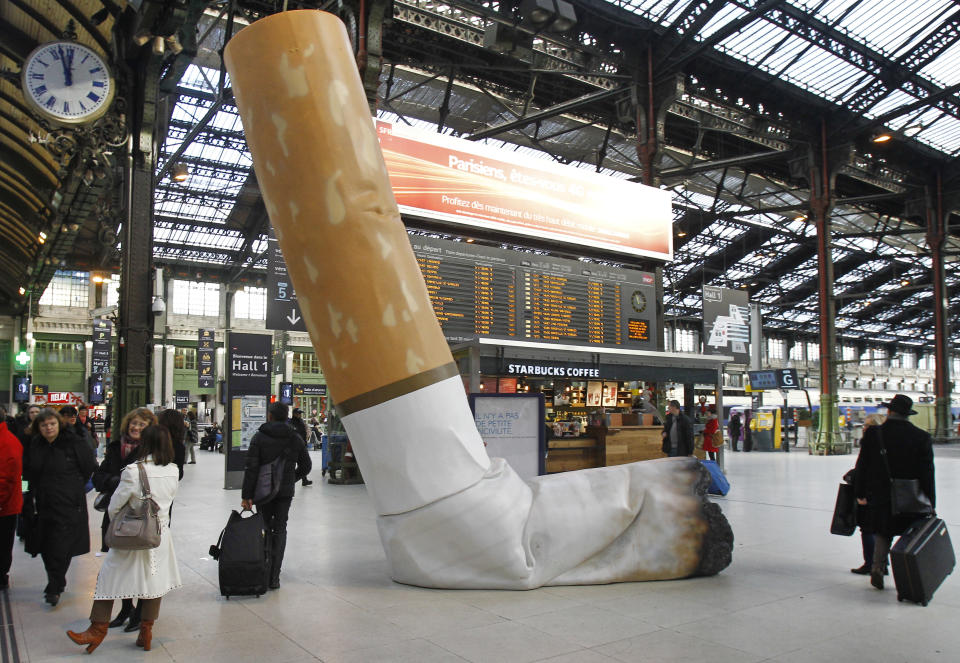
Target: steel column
936 237
828 432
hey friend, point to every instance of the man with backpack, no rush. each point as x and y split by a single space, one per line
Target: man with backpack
274 439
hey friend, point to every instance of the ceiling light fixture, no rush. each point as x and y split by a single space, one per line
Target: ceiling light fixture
22 291
42 237
681 233
179 172
881 137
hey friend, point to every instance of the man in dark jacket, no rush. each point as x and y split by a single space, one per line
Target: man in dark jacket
909 455
298 425
274 438
677 432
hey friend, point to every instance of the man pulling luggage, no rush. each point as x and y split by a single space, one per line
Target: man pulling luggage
274 438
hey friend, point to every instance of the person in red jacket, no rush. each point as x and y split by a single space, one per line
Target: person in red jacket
11 497
710 430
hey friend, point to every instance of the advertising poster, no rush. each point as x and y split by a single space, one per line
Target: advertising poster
512 428
594 394
610 394
286 393
451 179
248 414
726 323
21 389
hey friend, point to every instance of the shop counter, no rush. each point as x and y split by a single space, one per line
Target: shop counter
604 447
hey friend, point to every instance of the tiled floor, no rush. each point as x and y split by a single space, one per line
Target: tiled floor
787 597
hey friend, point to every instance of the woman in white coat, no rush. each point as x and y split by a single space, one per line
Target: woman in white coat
138 574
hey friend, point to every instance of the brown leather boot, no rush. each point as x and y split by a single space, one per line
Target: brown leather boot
146 634
92 637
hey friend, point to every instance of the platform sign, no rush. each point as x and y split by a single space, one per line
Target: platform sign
205 352
283 311
780 378
102 331
726 323
181 398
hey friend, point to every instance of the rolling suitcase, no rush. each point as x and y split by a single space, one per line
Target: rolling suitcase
921 559
244 556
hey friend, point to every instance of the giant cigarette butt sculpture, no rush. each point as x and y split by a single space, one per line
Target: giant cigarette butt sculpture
448 515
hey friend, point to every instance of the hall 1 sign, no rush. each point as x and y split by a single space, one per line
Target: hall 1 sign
102 331
205 352
283 311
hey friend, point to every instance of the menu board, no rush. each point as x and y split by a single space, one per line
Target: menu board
503 293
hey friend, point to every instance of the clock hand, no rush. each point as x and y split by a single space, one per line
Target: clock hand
66 70
70 67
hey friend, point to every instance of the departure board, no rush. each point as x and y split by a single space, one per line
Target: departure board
501 293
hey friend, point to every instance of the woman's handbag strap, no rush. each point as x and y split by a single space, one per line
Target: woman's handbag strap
144 482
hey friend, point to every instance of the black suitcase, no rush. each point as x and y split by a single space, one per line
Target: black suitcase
922 558
243 555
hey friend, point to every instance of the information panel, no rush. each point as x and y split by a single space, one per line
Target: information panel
486 291
100 362
205 352
283 311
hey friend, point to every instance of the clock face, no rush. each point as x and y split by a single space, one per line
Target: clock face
638 301
67 82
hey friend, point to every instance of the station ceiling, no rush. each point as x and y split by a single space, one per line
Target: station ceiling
748 93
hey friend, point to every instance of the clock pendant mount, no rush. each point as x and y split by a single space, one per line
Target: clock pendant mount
67 83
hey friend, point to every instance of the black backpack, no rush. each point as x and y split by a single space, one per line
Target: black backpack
269 479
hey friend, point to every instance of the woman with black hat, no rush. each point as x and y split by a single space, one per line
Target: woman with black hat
908 452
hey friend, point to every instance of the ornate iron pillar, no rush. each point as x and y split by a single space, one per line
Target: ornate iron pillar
936 236
135 322
821 204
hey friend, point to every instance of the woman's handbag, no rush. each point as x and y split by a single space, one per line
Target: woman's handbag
102 501
906 498
844 511
137 525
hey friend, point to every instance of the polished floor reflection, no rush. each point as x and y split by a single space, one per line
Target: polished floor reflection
788 596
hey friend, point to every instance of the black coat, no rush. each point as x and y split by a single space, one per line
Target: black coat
684 437
299 426
57 472
107 477
910 456
272 439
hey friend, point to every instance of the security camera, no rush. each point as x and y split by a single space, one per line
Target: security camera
158 306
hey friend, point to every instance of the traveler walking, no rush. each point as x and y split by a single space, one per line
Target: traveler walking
734 428
11 497
57 465
274 438
298 425
677 432
149 574
894 450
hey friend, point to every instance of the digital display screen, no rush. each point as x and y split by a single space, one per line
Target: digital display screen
21 389
760 380
488 291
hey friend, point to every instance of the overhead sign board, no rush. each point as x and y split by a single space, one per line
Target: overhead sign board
726 323
205 352
283 311
781 378
451 179
102 331
309 390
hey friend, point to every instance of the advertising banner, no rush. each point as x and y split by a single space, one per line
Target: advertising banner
102 330
450 179
205 352
726 323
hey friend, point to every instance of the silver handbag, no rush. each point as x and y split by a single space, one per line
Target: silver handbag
137 525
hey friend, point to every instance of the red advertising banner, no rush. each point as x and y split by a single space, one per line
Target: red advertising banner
451 179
